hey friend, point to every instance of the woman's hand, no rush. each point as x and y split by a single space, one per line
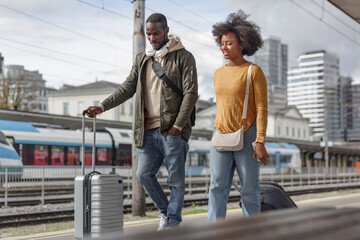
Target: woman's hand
260 153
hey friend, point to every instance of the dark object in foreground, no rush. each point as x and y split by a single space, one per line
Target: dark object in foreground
272 197
291 223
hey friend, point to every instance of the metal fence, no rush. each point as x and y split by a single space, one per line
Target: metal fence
39 183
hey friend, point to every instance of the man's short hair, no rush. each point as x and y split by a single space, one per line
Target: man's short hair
159 18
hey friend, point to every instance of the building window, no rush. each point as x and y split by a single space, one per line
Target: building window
131 109
81 107
279 130
304 133
122 109
65 108
287 131
299 133
293 132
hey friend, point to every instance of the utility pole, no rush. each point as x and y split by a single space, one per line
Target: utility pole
138 194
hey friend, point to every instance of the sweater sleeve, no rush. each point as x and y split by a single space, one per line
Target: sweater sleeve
261 104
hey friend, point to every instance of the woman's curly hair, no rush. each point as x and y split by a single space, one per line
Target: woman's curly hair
247 32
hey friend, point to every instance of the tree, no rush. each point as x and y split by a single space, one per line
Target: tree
16 93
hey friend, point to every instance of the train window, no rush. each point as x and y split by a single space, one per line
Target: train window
3 139
101 155
73 156
272 161
197 159
125 135
11 140
123 155
204 159
57 155
285 158
28 154
41 155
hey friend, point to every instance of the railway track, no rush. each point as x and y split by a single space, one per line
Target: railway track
16 220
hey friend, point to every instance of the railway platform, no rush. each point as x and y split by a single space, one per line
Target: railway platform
329 218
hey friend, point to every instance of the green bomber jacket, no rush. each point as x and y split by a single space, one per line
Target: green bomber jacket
180 68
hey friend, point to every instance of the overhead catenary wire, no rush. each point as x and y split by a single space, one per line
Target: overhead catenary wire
105 9
337 18
192 12
59 52
61 27
184 25
44 55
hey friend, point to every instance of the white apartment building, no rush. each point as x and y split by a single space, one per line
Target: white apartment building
312 88
288 123
71 101
284 123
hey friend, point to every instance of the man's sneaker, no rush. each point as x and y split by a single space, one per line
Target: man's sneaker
163 222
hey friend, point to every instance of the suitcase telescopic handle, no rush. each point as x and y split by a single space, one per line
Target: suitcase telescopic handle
83 144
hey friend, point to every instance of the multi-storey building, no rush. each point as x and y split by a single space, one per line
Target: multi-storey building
273 60
353 134
345 106
1 64
72 100
313 88
27 89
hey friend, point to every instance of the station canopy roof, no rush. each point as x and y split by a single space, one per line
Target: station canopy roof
349 7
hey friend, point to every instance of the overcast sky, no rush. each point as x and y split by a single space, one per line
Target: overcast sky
71 42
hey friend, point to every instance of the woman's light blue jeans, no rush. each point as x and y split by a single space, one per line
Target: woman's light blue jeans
150 158
222 166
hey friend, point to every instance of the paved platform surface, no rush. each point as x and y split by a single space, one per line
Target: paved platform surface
346 201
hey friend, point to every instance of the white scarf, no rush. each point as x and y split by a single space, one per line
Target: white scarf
150 51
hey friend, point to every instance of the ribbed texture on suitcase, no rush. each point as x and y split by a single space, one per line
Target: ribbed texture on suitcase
106 205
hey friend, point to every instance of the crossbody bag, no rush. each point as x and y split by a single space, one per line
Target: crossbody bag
160 73
233 141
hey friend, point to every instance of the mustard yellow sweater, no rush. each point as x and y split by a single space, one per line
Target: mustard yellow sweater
230 86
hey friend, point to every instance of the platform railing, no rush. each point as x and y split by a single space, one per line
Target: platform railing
42 182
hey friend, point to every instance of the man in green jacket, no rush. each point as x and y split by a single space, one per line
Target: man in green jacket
162 118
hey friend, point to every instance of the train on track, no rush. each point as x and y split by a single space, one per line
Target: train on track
39 144
9 158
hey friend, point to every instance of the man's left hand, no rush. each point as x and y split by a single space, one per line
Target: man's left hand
174 132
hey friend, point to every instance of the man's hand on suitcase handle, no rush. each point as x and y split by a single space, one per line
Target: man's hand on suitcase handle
92 111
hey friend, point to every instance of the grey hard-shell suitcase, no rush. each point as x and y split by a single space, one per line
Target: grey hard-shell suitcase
98 200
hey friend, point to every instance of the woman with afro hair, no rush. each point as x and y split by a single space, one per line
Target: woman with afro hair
238 37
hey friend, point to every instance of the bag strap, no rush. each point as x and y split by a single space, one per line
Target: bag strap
160 73
246 100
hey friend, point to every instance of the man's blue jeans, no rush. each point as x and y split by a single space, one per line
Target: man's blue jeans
150 158
222 166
